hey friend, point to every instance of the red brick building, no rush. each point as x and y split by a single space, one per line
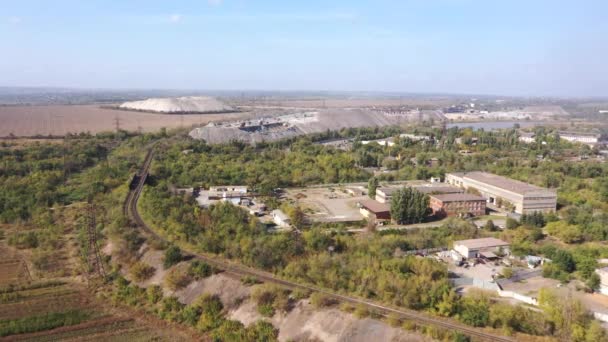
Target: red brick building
457 205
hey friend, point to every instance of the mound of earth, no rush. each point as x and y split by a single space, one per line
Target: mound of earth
187 104
302 123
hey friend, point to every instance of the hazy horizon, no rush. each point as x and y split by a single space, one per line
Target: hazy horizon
447 47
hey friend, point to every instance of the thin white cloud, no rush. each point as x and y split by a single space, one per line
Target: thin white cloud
215 2
175 18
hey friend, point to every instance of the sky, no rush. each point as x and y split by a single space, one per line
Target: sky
500 47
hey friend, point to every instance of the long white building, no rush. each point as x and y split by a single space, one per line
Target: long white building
583 138
525 198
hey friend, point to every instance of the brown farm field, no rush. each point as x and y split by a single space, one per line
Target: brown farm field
29 121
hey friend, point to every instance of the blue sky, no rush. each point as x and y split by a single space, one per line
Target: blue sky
506 47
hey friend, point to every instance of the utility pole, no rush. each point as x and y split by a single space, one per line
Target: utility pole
117 123
94 260
66 168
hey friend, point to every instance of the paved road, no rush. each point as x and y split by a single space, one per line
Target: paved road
130 210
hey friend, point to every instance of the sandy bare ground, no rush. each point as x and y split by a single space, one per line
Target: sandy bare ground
304 323
59 120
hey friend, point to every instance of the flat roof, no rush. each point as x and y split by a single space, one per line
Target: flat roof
481 243
458 197
500 182
375 206
387 191
430 189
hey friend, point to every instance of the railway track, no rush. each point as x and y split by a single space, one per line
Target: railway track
130 210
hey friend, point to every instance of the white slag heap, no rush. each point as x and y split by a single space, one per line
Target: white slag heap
186 104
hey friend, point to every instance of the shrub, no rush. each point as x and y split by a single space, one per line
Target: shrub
176 279
250 280
266 310
141 271
199 269
393 320
299 294
42 260
346 307
271 296
211 312
320 300
361 311
154 294
408 325
24 240
173 255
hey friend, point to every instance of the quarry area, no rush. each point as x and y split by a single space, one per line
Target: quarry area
295 123
185 104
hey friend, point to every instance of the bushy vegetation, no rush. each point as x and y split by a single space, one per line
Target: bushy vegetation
43 322
141 271
206 314
173 255
177 278
199 269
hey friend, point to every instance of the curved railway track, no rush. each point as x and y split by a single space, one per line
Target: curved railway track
130 211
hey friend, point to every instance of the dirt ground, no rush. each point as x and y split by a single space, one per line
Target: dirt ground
59 120
305 323
327 204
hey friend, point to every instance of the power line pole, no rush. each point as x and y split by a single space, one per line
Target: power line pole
94 260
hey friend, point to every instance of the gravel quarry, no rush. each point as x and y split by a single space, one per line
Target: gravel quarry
186 104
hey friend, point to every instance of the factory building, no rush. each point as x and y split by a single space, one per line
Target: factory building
501 191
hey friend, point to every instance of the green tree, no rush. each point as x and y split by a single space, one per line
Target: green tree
372 185
173 255
489 226
594 282
409 206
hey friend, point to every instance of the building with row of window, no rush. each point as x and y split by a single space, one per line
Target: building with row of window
462 205
501 191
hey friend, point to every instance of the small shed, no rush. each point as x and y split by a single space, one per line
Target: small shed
375 210
474 248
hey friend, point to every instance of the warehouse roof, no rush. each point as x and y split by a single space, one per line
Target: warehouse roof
429 189
375 206
387 191
458 197
481 243
500 182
